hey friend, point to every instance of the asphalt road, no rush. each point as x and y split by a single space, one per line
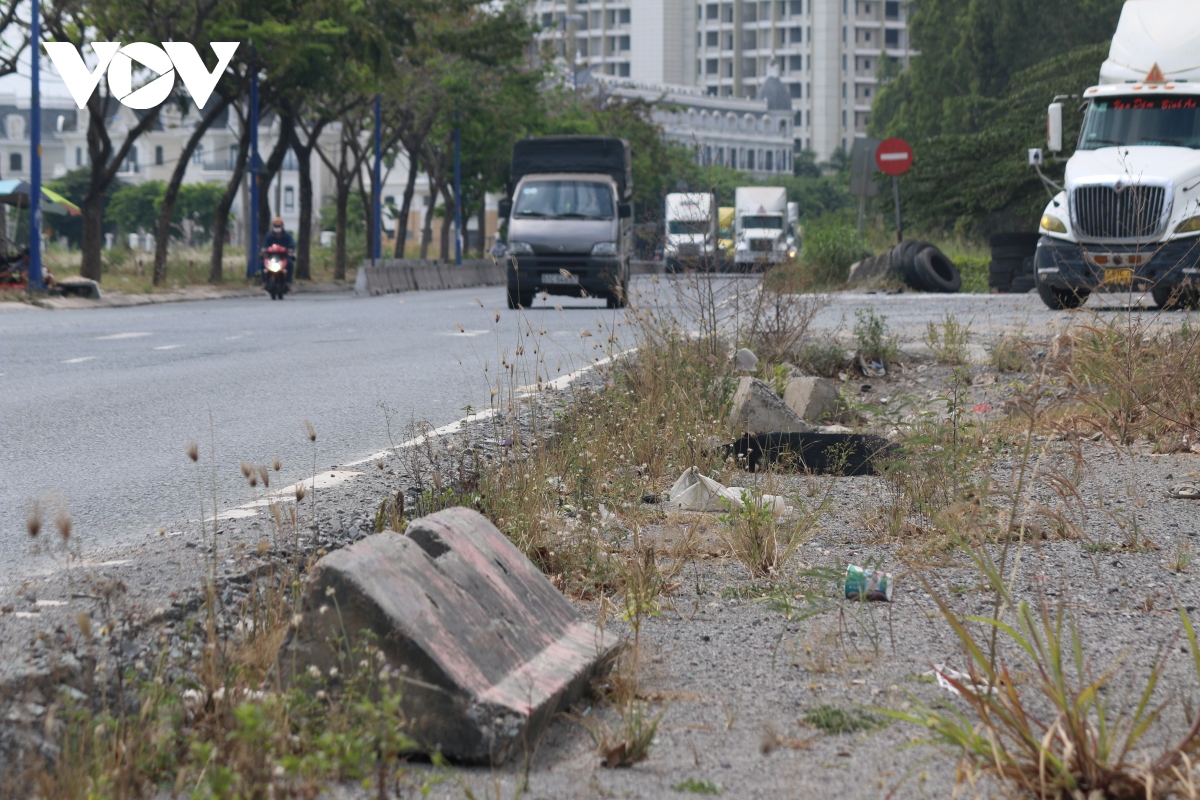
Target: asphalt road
98 405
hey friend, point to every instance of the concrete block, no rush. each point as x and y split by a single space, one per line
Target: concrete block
757 409
490 649
813 399
870 268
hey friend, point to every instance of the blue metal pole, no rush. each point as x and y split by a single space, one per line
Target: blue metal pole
252 263
457 193
377 185
35 152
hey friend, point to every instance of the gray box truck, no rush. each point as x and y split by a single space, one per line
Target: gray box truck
570 218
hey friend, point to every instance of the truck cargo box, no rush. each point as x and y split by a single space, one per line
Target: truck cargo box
605 155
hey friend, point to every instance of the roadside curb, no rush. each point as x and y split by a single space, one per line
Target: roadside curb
119 300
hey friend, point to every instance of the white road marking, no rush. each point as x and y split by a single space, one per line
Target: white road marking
487 413
323 480
79 360
168 347
50 603
233 338
131 335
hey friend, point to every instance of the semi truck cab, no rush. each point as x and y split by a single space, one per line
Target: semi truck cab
1127 216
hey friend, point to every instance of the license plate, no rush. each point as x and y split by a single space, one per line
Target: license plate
1118 276
559 277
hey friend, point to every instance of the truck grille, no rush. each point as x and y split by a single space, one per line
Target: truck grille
761 245
1101 212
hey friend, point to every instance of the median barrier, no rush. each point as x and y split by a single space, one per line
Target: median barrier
390 275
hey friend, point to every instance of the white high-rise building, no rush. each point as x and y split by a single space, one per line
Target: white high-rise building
828 52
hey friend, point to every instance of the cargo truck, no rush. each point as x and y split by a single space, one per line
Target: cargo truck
570 218
691 221
1127 216
760 226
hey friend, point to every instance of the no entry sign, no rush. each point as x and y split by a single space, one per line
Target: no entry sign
894 157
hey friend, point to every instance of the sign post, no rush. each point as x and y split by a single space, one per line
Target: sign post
862 169
894 157
35 280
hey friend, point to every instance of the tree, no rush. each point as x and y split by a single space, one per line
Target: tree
216 267
969 52
80 22
135 207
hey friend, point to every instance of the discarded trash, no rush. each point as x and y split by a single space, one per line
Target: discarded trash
947 677
696 492
982 408
875 585
825 453
871 369
650 498
1185 491
744 360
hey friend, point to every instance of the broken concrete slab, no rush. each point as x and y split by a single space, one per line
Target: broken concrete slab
870 268
757 409
814 399
489 649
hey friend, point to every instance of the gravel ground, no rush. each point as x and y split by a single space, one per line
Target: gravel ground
731 673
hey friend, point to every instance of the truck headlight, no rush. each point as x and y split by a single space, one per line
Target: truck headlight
520 248
1053 224
604 249
1189 225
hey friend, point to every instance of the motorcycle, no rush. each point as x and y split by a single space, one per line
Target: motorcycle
275 270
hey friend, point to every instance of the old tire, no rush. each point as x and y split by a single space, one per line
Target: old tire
904 261
1060 299
936 272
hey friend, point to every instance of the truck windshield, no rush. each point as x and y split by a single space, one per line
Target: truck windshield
1153 120
687 226
760 221
564 199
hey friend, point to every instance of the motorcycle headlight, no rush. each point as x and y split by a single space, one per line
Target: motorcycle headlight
1189 225
1053 224
520 248
604 249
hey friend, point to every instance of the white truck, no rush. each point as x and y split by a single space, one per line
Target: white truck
1127 216
761 226
691 231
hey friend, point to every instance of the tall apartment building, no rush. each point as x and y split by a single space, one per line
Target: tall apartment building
828 52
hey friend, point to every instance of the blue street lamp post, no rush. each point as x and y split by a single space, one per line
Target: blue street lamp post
252 264
35 153
457 193
377 187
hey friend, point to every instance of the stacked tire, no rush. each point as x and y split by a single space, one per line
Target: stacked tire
925 268
1011 268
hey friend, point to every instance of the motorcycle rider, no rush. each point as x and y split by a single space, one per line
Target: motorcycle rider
277 235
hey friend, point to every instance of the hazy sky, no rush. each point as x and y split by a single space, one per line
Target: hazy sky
52 85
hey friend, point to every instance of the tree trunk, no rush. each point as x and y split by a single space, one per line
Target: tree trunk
92 242
410 186
221 216
368 213
483 227
447 221
270 171
163 228
427 231
343 198
304 228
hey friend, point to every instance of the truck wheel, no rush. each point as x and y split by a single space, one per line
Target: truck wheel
936 272
1171 298
1061 299
518 299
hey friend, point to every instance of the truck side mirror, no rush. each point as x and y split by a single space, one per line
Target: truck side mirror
505 208
1054 128
624 210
